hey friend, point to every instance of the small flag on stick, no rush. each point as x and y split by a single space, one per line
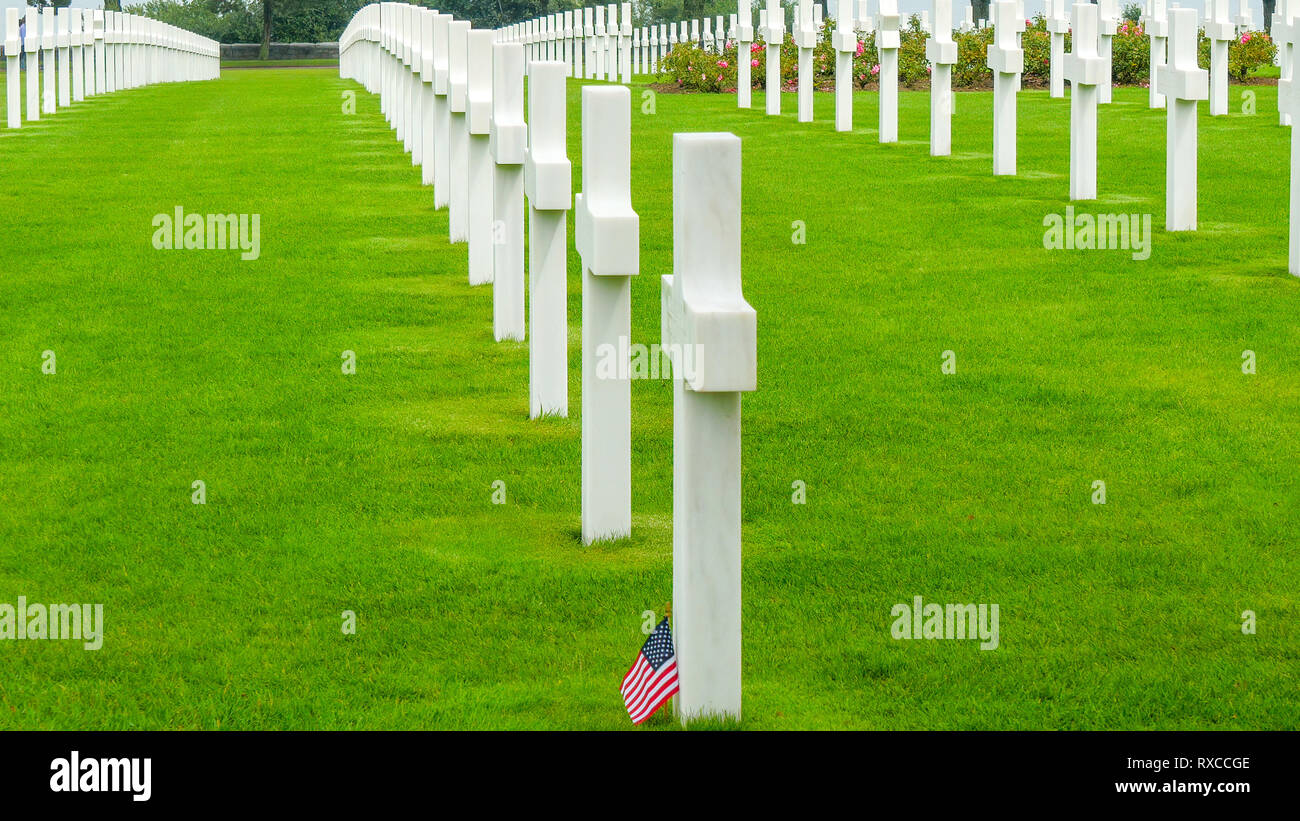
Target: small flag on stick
653 677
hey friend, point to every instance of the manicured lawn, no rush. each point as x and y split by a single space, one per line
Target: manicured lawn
372 492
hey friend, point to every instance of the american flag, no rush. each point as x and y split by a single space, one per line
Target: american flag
653 677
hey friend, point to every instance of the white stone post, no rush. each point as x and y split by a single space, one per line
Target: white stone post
887 44
579 44
478 124
805 38
711 333
1221 31
417 50
845 42
1289 105
508 141
1006 59
1058 24
428 116
589 43
638 50
457 88
1107 27
941 50
625 43
1085 70
1155 22
773 35
607 238
13 90
548 184
441 111
1182 82
101 54
64 44
611 43
47 60
31 46
1245 17
744 37
1284 35
76 39
598 44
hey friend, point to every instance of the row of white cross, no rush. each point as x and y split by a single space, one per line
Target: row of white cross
81 53
455 97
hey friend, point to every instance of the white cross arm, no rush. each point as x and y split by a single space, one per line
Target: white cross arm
509 133
1084 66
12 43
1004 55
703 305
607 230
548 174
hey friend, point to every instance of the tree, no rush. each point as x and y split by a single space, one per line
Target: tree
264 52
979 10
1269 7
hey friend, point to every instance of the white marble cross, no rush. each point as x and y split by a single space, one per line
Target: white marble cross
625 43
612 29
1182 82
1058 25
1007 60
31 45
13 47
589 43
417 48
1291 106
1107 28
865 23
509 136
101 74
709 43
441 110
63 42
941 51
773 35
47 60
1156 24
1221 31
805 39
76 39
845 42
607 235
424 91
638 51
478 124
1245 17
599 41
887 45
457 88
968 21
743 34
1085 70
711 334
548 184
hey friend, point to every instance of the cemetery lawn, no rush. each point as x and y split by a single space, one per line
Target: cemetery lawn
372 492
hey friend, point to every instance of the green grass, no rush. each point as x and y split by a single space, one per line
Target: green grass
372 492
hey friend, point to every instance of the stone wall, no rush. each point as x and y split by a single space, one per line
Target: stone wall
281 51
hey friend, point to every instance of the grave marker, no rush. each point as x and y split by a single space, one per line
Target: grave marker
63 42
509 136
13 47
1220 31
611 44
1183 82
1007 60
941 51
47 59
101 75
1107 27
429 119
607 238
599 41
625 43
457 87
547 182
773 34
76 39
478 122
744 35
1058 24
1156 25
1085 70
887 44
845 42
441 110
1289 105
705 318
805 39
